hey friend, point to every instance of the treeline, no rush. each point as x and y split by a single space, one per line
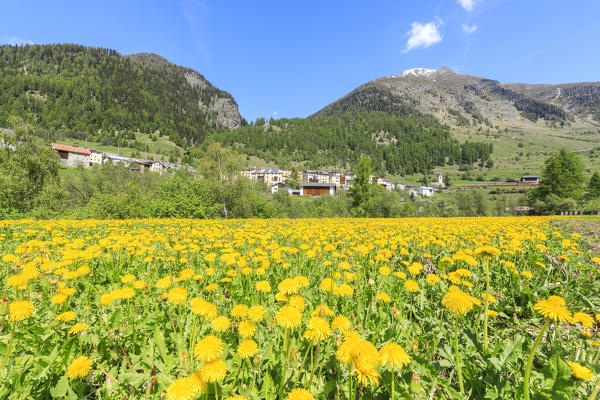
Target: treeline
399 143
533 109
83 89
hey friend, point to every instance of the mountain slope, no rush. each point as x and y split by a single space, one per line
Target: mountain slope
465 101
580 99
83 89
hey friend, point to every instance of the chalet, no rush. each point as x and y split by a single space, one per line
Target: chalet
73 156
317 189
316 176
425 191
530 179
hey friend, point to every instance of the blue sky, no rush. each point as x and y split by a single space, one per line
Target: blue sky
289 58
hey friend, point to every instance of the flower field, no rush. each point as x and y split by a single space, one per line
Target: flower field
494 308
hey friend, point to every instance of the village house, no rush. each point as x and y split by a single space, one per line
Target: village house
425 191
73 156
389 186
280 186
316 176
267 175
96 157
341 178
317 189
139 165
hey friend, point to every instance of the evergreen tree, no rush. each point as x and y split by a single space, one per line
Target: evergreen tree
594 186
363 191
562 176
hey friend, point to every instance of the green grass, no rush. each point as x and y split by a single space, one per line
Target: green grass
156 150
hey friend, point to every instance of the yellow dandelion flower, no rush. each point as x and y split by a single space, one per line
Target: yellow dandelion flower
288 317
411 285
263 286
77 328
20 310
181 389
322 309
256 313
213 371
384 297
580 372
58 299
247 348
79 368
320 327
197 383
66 316
458 301
208 348
246 329
177 295
584 319
239 311
164 283
220 324
553 309
432 279
487 251
299 394
340 323
297 302
394 355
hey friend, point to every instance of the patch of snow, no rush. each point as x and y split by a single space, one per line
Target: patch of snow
419 72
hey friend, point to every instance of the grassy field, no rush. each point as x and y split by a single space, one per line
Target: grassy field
160 149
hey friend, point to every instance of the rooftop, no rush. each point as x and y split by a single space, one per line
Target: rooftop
314 184
70 149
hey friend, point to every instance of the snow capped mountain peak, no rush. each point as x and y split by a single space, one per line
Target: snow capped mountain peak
421 72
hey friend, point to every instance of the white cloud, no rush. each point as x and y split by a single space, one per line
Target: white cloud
468 4
469 29
15 41
423 35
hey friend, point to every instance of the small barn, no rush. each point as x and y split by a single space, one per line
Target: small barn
530 179
317 189
73 156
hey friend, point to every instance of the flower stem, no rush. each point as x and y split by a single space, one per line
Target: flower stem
485 305
302 365
530 360
392 379
285 362
10 340
457 356
312 372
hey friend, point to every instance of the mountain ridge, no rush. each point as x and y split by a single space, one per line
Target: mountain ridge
462 100
99 91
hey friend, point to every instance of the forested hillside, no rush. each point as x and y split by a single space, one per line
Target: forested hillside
95 90
400 141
